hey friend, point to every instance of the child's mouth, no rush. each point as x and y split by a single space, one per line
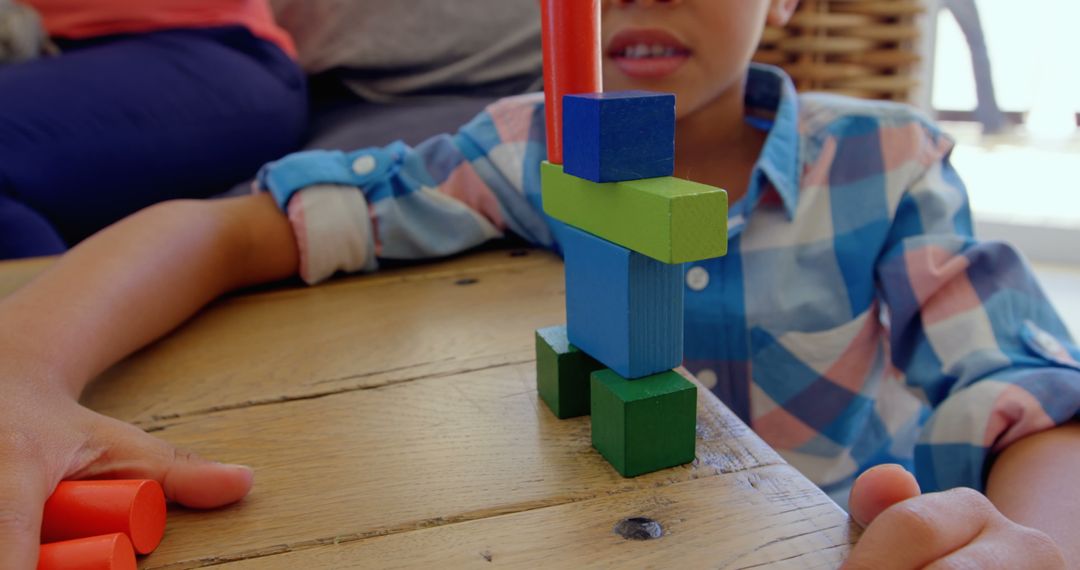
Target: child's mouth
647 54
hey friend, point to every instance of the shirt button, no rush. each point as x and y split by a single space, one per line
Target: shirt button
364 165
1049 343
697 279
707 377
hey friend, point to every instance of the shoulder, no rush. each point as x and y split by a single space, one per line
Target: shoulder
898 133
829 112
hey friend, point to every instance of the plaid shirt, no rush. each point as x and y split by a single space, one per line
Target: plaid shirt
855 321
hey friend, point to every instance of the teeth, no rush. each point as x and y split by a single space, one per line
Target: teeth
642 51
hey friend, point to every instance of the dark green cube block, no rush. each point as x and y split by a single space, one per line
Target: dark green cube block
562 373
644 425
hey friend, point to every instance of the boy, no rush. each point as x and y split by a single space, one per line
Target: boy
868 317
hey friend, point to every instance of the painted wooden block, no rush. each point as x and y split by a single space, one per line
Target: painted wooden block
572 60
667 219
622 308
562 373
618 136
644 425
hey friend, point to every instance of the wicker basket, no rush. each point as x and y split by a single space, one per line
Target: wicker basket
863 48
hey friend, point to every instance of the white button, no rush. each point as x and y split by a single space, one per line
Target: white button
697 278
707 377
364 165
1048 342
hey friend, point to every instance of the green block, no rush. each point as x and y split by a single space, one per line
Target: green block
562 373
644 425
667 219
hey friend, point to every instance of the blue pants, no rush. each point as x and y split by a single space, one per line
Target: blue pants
116 124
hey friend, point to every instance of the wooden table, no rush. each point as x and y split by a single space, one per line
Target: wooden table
393 422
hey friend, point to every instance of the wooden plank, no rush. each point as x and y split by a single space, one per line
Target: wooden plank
412 455
352 333
667 219
767 516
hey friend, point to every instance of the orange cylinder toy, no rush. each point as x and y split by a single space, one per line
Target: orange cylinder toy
572 60
108 552
81 509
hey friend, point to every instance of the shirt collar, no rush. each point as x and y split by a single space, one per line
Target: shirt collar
771 96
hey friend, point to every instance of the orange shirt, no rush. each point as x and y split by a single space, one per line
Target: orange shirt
78 19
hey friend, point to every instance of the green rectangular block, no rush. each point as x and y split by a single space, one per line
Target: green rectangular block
644 425
668 219
562 373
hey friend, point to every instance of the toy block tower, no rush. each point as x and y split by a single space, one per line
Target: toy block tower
631 226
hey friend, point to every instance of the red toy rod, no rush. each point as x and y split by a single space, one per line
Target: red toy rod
107 552
572 60
81 509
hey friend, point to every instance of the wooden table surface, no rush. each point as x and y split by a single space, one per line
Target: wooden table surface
393 422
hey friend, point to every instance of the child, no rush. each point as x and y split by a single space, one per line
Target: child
854 323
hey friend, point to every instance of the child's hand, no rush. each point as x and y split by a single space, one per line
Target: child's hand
46 436
960 528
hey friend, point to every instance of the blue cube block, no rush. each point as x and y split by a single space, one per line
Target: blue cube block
622 308
619 136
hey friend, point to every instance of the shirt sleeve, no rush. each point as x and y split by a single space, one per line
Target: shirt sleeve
448 194
970 328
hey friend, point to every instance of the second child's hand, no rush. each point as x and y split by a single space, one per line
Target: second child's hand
46 437
960 528
116 292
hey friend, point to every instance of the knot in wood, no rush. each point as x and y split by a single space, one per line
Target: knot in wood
639 528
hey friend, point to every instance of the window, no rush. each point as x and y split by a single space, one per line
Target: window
1024 181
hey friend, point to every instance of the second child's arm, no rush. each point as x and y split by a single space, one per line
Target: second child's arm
140 278
108 297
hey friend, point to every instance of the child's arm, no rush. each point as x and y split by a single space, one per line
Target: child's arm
111 295
1033 482
971 331
446 195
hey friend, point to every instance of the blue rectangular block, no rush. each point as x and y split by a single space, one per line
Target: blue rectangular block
622 308
619 136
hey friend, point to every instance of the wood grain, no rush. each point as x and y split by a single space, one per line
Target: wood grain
413 455
466 314
706 524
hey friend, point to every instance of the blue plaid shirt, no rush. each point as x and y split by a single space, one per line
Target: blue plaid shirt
855 321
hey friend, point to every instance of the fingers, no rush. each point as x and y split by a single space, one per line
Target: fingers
24 492
1008 546
928 527
878 489
186 478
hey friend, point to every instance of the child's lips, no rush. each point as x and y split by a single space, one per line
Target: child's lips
647 53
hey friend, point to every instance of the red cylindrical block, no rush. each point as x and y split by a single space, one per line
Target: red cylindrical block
572 60
80 509
108 552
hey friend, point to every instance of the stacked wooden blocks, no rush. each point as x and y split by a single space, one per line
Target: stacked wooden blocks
632 226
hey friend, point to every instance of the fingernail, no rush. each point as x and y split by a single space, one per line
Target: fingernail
247 470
